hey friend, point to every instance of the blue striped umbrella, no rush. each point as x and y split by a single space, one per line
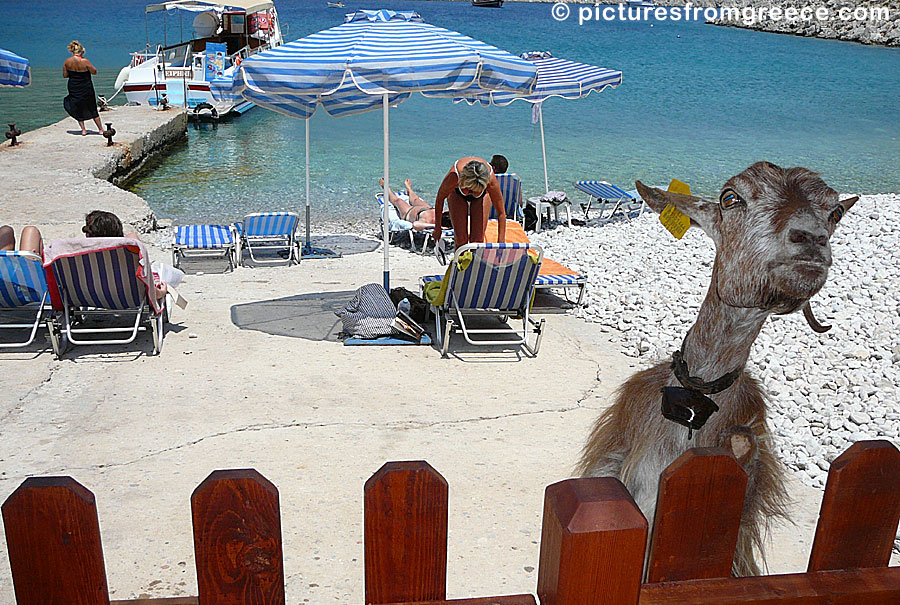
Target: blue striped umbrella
14 70
377 58
556 78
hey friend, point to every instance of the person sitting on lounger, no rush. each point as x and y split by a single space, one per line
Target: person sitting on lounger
29 241
500 164
415 210
106 224
469 187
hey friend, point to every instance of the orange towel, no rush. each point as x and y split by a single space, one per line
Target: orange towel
515 234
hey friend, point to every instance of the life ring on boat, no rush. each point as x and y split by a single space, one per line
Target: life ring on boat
201 106
237 61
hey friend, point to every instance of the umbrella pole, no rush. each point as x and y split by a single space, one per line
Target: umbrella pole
387 199
543 148
309 251
308 246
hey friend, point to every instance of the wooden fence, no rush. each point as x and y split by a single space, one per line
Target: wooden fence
592 544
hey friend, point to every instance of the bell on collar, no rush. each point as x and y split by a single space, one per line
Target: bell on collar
687 408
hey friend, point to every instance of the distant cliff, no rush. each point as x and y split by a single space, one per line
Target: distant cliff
869 31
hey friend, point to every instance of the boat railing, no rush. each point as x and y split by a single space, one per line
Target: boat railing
140 56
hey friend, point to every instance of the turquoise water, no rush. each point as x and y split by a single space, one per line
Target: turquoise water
698 103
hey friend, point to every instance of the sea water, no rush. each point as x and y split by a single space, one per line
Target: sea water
698 103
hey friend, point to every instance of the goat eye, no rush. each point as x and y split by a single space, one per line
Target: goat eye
729 199
837 214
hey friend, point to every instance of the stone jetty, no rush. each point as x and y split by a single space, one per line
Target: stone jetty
55 173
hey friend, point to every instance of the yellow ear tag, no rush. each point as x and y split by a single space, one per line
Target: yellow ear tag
675 221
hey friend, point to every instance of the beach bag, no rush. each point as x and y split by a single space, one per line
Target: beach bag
417 304
530 218
369 313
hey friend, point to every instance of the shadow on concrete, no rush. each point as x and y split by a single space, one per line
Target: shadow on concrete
343 244
308 316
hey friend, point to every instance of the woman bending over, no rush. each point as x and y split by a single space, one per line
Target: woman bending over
470 189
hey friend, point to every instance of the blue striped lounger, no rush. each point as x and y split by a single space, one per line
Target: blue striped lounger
497 281
270 231
23 285
203 241
102 278
608 193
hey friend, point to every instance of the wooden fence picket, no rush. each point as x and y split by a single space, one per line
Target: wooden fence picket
698 515
860 508
237 539
53 541
592 544
406 508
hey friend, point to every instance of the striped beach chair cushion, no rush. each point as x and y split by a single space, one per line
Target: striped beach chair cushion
602 190
203 237
511 186
500 276
105 279
269 224
22 279
544 281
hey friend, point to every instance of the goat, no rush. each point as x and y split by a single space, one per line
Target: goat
771 227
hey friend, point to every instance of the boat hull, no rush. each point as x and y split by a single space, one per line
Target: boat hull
198 94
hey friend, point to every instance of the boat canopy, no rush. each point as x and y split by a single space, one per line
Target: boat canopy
248 6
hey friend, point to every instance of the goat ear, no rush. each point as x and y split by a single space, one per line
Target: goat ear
700 211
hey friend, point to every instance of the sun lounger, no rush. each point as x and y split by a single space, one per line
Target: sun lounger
23 287
553 275
272 232
204 241
607 193
488 279
397 225
511 186
98 279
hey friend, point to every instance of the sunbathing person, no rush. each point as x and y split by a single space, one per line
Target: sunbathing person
415 210
106 224
470 188
29 241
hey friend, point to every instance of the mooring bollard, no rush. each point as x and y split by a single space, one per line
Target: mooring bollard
109 133
12 133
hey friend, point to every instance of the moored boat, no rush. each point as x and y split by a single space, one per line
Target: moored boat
199 73
336 4
488 3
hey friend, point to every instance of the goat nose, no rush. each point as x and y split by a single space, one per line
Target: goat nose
799 236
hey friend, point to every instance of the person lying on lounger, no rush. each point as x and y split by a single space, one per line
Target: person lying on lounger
106 224
29 241
416 210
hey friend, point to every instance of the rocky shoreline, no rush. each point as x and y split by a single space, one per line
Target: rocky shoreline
884 32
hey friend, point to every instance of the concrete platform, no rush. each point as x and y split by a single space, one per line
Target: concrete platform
56 175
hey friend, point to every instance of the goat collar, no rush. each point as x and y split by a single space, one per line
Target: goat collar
692 383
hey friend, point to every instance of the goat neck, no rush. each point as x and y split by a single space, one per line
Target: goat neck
720 340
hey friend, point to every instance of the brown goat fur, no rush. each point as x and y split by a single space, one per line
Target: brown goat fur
772 255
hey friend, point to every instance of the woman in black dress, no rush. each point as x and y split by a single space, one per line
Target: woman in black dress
81 103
